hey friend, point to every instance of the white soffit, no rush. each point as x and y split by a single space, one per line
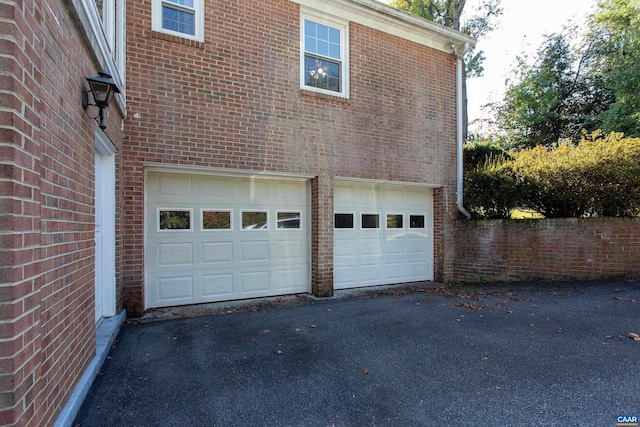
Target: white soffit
382 17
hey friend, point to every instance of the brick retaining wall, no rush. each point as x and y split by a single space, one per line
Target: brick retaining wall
571 248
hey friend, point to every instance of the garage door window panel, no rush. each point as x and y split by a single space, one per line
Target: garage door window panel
289 220
216 220
174 219
395 221
370 220
255 220
343 220
416 221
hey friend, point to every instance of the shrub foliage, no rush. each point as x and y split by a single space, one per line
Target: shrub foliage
600 176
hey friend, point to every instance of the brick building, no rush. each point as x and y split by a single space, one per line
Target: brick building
256 149
58 263
285 146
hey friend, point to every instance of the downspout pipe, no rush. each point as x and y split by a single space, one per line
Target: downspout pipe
460 129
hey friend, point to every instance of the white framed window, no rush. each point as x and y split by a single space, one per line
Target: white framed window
394 221
174 219
324 51
370 220
182 18
254 219
216 219
417 221
287 220
344 220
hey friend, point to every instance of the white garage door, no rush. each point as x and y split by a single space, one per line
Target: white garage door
214 238
383 234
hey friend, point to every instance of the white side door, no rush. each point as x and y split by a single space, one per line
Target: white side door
105 237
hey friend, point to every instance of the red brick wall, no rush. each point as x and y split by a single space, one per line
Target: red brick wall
47 323
586 248
234 101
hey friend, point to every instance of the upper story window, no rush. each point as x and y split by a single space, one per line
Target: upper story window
324 55
183 18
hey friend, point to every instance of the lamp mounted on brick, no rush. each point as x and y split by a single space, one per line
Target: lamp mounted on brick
103 88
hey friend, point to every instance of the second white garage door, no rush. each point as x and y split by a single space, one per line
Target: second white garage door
214 238
383 234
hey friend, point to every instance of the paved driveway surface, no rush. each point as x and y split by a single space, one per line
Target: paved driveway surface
510 355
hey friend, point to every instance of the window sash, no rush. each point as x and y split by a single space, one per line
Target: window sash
182 18
323 46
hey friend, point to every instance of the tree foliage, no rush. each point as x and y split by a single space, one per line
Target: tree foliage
578 84
452 14
615 59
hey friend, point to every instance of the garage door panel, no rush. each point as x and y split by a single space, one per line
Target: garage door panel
291 192
254 251
175 185
220 260
370 246
370 272
346 195
217 285
344 246
174 254
396 246
254 281
288 279
344 276
417 245
393 199
220 188
395 270
175 288
251 190
217 252
417 269
290 250
369 196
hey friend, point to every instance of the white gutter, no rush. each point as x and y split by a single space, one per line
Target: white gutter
460 129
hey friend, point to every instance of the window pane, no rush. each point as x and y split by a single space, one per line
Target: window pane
334 36
254 220
175 220
178 20
322 48
322 32
321 39
288 219
322 74
216 220
416 221
309 28
310 44
187 3
370 221
334 51
343 220
394 221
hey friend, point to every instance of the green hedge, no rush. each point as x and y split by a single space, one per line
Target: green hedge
600 176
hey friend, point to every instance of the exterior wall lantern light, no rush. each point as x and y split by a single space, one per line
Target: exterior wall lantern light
103 88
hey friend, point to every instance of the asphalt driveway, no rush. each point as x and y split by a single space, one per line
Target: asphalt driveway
556 354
